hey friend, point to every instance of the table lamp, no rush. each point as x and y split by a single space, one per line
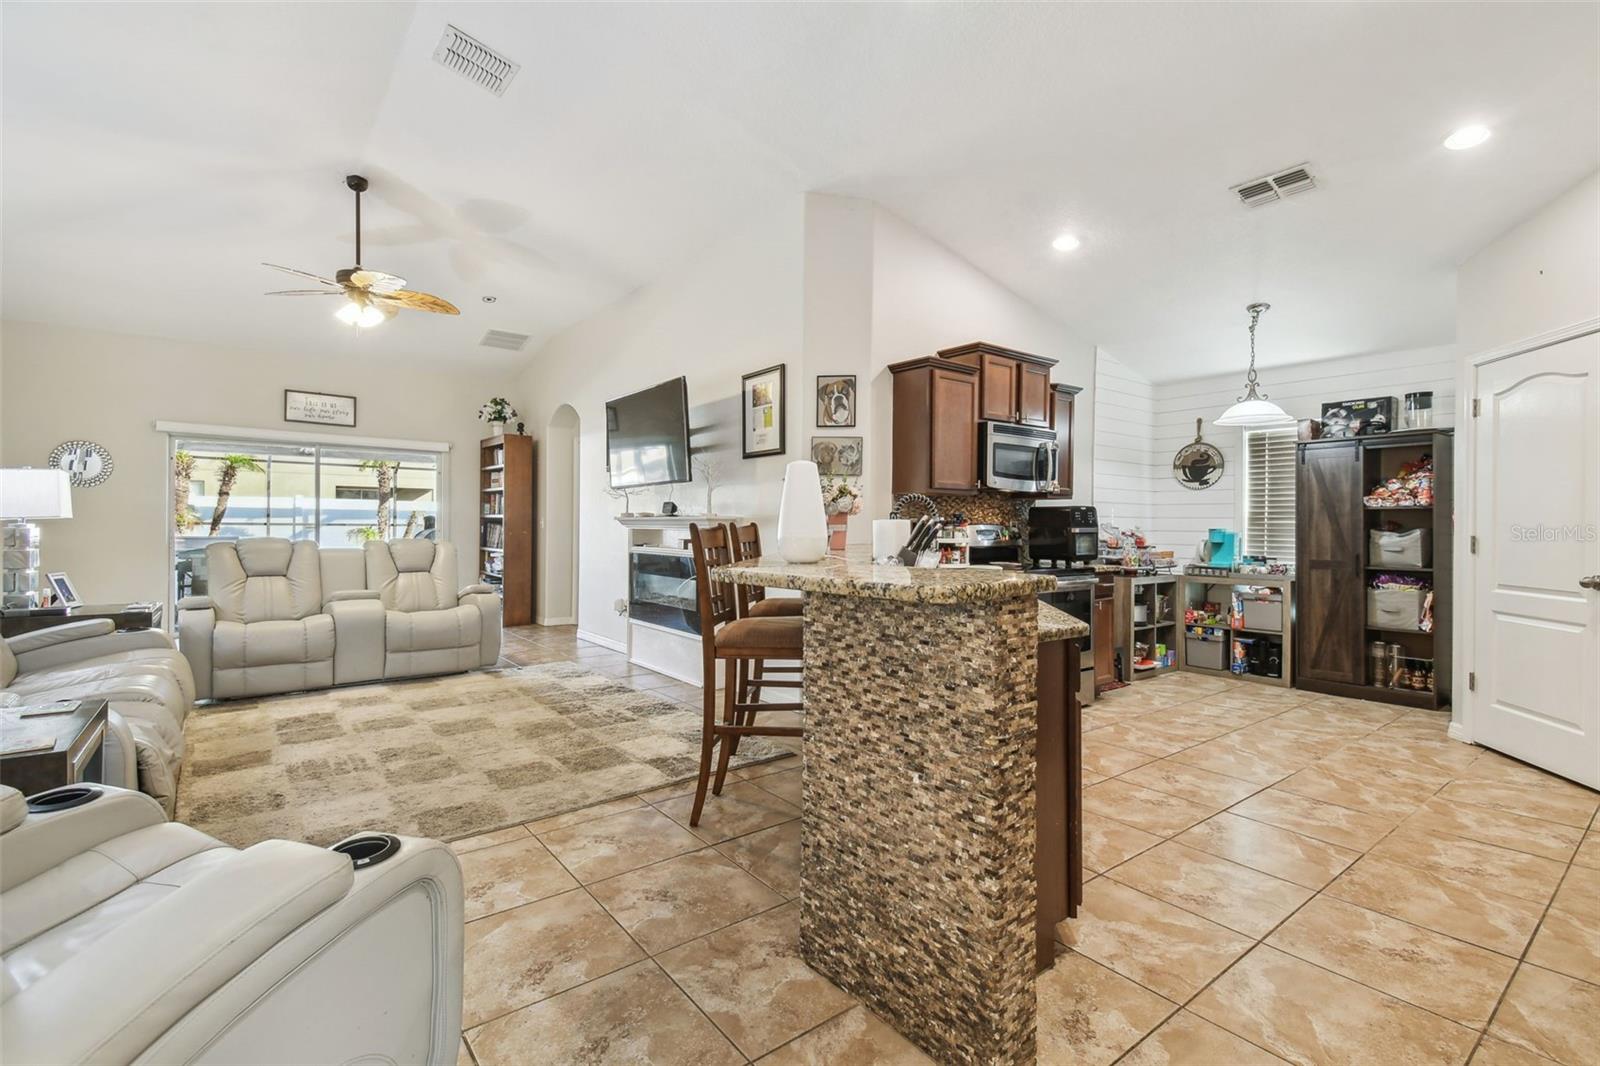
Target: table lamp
27 494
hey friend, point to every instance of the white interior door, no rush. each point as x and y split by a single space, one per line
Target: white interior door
1537 490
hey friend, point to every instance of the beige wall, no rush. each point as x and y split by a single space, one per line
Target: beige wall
59 383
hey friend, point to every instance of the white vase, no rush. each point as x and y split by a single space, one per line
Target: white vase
802 522
497 429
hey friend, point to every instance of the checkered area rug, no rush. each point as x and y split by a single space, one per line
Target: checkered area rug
441 757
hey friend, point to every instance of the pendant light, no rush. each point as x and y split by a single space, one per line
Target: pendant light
1253 410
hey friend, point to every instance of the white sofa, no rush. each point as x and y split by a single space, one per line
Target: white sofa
147 683
127 938
286 616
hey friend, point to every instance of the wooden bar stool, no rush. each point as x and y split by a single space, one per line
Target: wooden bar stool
736 641
755 603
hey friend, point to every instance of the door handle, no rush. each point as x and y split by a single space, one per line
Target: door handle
1590 582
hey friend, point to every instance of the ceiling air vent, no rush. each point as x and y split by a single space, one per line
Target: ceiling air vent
499 338
1264 190
474 60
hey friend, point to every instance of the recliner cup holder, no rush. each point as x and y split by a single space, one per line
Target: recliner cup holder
63 798
368 849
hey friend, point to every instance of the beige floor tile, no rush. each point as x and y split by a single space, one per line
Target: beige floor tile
1546 801
1231 895
751 981
1108 760
1310 1016
1314 818
1550 1014
587 814
1091 1015
1487 867
1189 1040
785 785
1387 796
772 766
681 788
1191 783
1568 943
1535 836
1107 842
1579 893
1436 900
1444 756
1143 808
1137 737
605 847
1290 856
772 855
667 903
1167 949
636 1015
856 1036
529 953
743 807
1588 855
1492 1052
509 875
1424 968
488 840
1227 757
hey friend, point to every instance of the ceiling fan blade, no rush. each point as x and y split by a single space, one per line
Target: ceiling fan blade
301 273
418 301
307 292
377 281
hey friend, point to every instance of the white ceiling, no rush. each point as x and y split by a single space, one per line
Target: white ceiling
155 154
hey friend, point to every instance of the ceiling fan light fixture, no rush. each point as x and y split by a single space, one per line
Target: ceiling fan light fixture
1253 409
363 316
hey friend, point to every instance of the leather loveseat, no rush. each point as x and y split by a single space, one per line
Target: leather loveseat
286 616
128 938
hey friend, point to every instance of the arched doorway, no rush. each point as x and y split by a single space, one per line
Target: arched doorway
558 584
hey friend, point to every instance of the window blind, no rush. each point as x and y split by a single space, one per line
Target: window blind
1269 457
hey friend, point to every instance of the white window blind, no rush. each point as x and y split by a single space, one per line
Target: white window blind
1269 457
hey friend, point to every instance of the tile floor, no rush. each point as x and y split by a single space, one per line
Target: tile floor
1277 876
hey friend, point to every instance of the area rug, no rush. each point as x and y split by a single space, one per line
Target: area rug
441 757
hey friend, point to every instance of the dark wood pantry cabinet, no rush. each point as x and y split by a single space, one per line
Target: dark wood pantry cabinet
935 427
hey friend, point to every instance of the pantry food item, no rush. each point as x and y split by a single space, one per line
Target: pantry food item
1412 486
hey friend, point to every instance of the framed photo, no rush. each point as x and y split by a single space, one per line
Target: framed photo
62 586
761 403
318 408
836 401
837 456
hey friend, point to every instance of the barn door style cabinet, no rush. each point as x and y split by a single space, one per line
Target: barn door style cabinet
1390 644
1013 386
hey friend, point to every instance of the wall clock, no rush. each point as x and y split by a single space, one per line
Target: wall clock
85 462
1197 465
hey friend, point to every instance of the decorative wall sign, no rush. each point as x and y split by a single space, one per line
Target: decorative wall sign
318 408
837 456
1197 465
85 462
836 401
761 403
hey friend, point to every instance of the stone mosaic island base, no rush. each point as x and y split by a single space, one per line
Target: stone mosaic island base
918 825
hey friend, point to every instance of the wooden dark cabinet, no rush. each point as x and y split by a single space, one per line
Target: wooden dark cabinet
1063 399
1328 563
935 427
1103 639
1013 386
1034 406
506 523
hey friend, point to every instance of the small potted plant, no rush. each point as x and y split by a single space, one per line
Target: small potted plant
840 499
497 412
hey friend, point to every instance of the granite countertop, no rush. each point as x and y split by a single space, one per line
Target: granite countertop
1056 624
857 575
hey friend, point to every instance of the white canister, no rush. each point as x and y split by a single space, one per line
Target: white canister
802 522
889 535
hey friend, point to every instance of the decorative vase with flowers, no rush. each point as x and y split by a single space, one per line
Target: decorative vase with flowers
497 412
840 499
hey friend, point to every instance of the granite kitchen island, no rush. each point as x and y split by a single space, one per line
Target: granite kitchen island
919 887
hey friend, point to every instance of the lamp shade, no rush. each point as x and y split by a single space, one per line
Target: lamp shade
802 521
1255 413
29 493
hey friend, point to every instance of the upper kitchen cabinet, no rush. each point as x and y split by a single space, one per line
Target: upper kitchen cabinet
935 427
1013 386
1063 398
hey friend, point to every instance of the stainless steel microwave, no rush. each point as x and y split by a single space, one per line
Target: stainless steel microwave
1016 458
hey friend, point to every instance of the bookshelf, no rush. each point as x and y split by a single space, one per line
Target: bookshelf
505 523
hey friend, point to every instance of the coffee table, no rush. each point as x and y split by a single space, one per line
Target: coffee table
76 754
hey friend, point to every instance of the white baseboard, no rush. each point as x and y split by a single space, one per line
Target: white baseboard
1457 731
604 642
562 621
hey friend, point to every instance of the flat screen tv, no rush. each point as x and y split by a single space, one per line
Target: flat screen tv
647 436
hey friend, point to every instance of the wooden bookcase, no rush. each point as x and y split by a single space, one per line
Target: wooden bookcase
1231 635
1147 612
505 523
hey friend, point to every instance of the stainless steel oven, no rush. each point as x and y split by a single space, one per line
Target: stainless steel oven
1019 458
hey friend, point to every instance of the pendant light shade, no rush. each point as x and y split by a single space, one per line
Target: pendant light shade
1253 409
802 522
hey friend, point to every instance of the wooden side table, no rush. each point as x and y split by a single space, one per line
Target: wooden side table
77 755
125 615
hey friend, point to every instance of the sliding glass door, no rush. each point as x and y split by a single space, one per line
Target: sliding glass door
338 497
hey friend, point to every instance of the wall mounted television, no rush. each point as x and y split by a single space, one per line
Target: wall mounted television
647 436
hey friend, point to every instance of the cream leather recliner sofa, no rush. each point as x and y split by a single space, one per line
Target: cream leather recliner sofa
287 616
128 938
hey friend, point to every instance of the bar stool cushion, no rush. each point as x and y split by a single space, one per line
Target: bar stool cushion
778 607
754 634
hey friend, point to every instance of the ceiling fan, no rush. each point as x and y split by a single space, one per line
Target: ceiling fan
371 296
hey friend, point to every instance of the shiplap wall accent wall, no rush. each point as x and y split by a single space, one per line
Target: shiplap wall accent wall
1180 516
1124 419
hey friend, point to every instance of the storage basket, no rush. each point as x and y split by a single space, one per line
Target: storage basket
1263 613
1206 654
1414 547
1395 608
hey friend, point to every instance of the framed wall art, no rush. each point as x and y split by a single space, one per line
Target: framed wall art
761 404
318 408
836 401
837 456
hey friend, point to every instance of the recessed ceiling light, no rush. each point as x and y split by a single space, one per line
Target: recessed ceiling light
1467 137
490 299
1065 243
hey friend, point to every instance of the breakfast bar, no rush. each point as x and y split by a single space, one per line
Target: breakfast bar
919 887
